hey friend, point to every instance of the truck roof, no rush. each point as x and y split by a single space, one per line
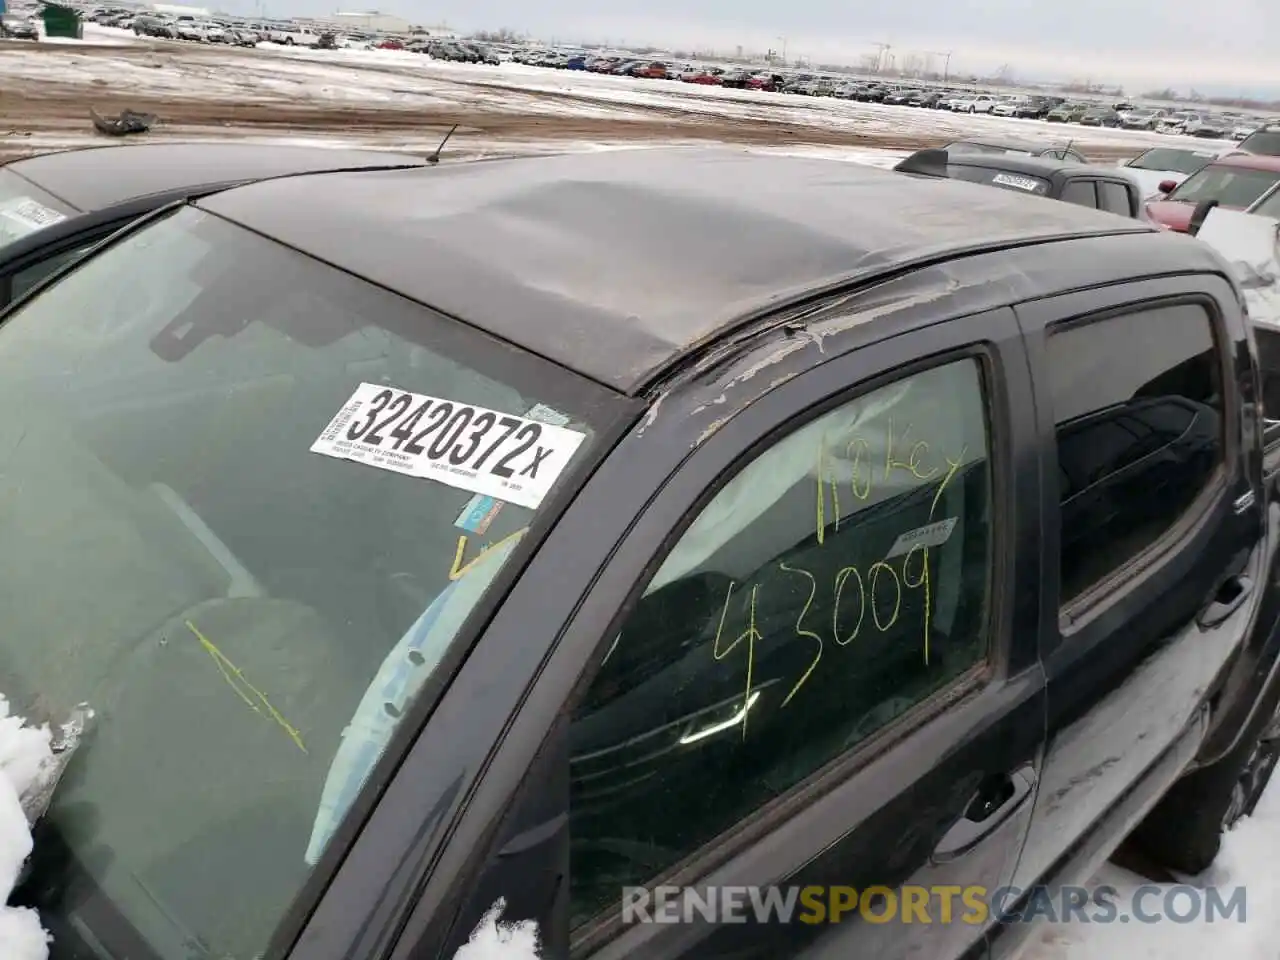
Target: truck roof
617 264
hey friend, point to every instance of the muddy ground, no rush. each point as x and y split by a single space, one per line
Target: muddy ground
34 113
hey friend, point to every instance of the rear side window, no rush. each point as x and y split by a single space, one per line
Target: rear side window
995 177
1115 198
1080 192
836 582
1137 401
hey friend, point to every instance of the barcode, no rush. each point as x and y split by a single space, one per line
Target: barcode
340 423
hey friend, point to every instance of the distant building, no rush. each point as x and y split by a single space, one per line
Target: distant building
367 22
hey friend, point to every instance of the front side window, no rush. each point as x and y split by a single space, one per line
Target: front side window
240 495
1138 404
1230 186
833 584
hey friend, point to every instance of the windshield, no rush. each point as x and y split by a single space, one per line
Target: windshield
25 208
995 177
248 502
1265 142
1235 187
1172 161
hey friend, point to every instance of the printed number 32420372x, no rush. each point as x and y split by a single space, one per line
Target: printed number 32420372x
473 448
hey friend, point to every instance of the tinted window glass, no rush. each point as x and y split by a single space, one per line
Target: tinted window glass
1172 160
1266 142
1080 192
248 618
995 177
1230 186
837 581
1138 406
24 280
1115 198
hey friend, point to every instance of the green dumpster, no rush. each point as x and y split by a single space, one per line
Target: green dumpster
60 21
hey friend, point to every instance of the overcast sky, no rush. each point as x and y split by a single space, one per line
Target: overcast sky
1226 44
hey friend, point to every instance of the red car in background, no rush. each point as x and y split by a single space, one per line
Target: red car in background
651 71
1235 181
710 78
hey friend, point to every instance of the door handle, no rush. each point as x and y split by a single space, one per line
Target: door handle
1230 596
998 799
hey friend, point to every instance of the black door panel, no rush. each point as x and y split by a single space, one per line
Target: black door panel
1154 557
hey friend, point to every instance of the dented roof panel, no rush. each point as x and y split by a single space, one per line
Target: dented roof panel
618 264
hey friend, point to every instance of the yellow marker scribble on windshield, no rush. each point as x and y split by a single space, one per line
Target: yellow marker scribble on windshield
856 456
953 466
751 635
921 581
822 494
231 673
459 569
912 463
801 631
841 577
897 601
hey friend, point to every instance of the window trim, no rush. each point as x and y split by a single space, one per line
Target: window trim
594 933
1101 595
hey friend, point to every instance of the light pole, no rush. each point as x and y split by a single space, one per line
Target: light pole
784 49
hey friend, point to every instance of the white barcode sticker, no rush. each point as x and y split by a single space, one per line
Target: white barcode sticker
931 535
508 457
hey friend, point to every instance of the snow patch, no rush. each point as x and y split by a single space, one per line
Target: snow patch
1247 859
26 765
494 940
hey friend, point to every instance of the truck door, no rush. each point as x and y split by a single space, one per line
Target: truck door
1153 545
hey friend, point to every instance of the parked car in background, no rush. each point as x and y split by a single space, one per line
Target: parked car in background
1037 108
981 103
927 99
1176 122
1235 182
1207 126
294 35
1017 148
1099 117
1145 119
1265 140
25 29
652 70
1067 113
400 602
1165 165
1102 188
1008 106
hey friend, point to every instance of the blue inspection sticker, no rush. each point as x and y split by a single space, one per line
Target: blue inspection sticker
478 514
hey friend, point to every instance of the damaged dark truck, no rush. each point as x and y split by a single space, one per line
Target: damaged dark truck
429 544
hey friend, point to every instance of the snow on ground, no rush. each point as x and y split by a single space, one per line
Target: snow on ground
494 940
1248 859
25 757
393 79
